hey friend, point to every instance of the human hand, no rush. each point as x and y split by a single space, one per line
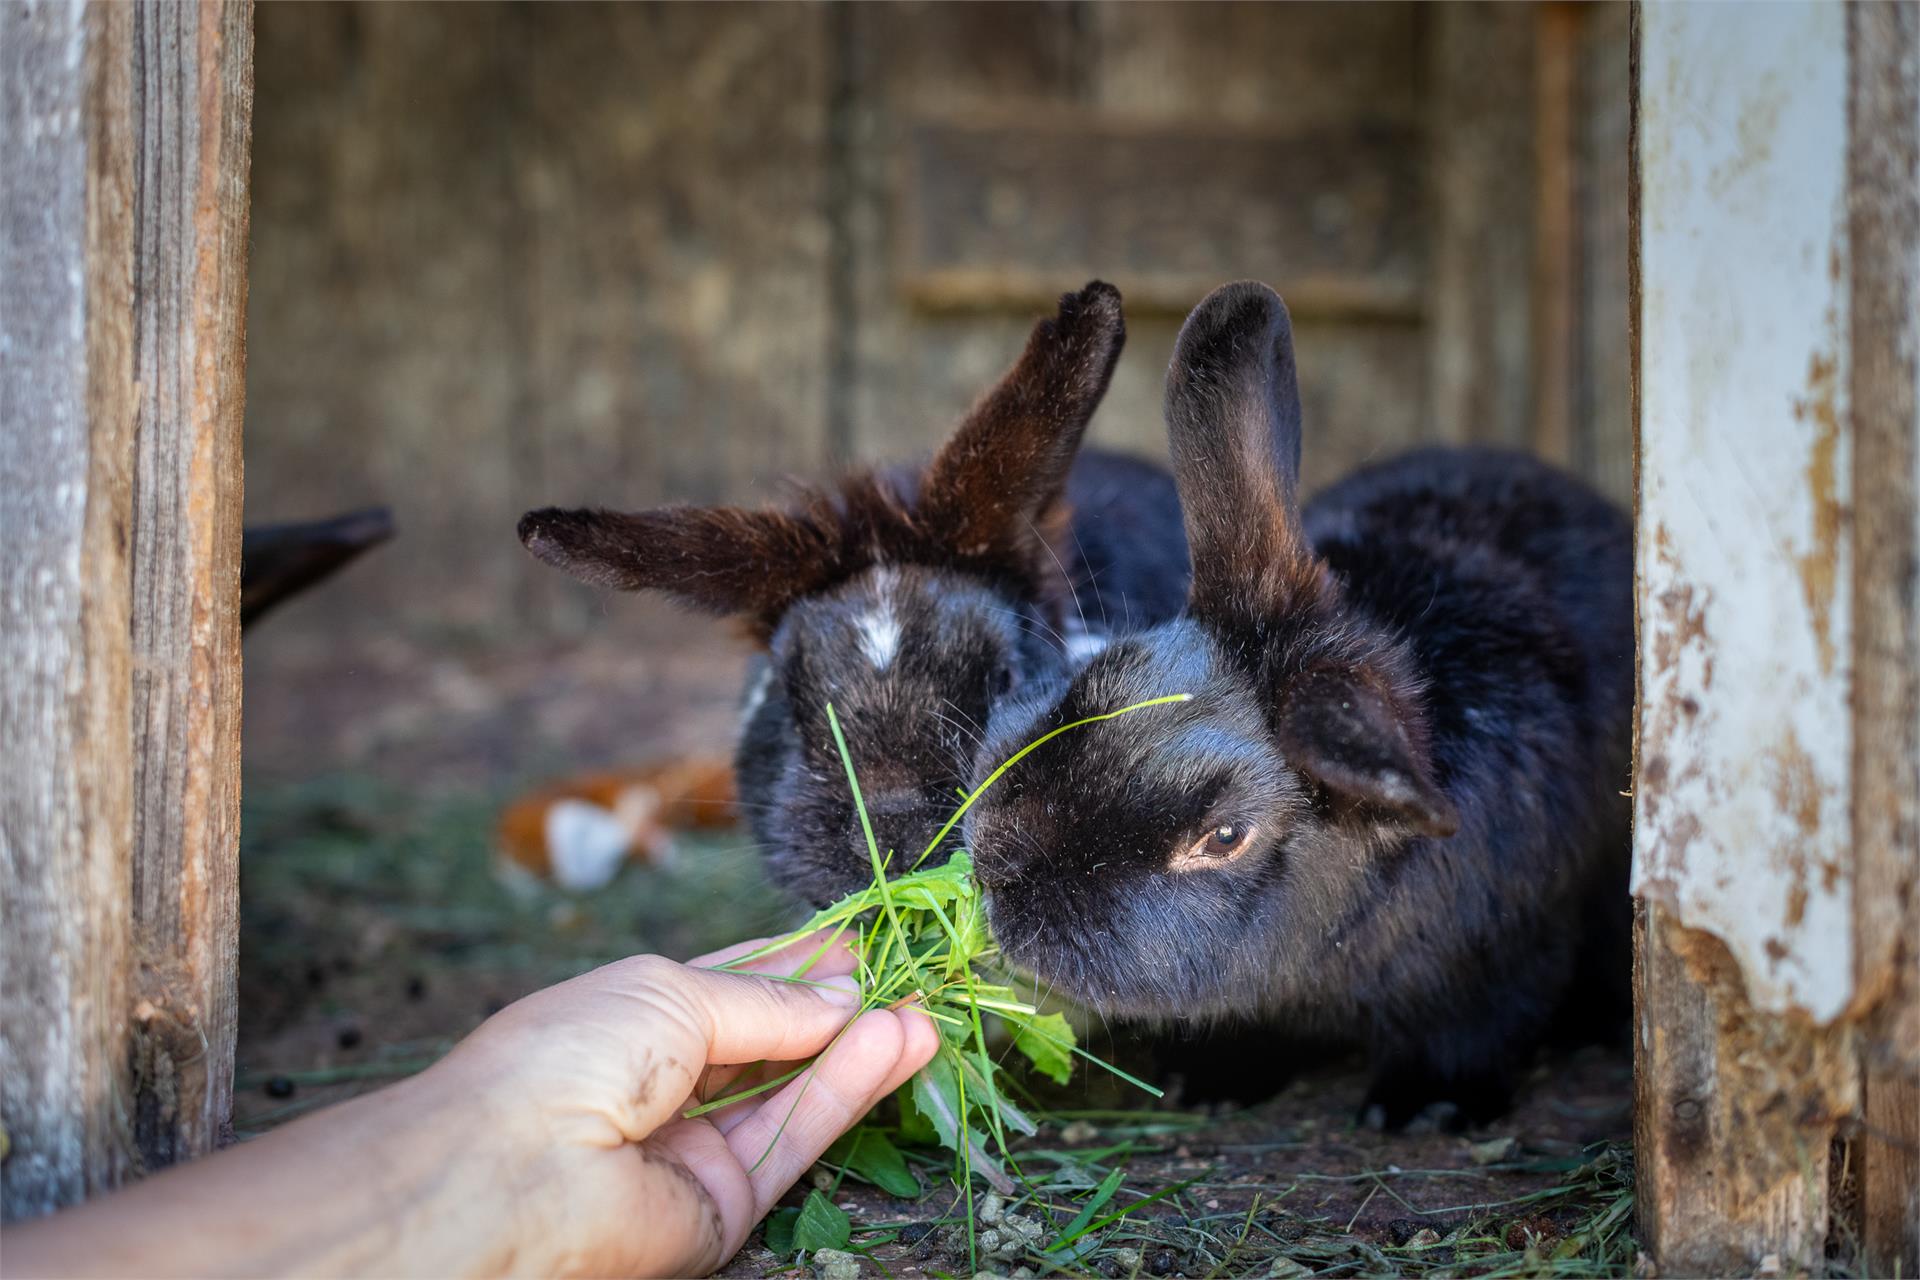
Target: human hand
584 1085
551 1141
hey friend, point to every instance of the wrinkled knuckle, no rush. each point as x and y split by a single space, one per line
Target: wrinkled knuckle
652 970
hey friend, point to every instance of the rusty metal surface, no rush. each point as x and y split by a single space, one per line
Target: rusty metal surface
1741 803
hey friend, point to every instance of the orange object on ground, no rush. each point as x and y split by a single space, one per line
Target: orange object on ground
579 832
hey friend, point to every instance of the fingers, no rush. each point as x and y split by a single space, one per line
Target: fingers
920 1039
784 1136
682 1240
834 956
751 1154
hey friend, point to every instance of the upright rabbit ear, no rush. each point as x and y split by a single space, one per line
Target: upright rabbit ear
1007 462
1233 421
721 560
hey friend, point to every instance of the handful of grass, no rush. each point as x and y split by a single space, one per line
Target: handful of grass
922 938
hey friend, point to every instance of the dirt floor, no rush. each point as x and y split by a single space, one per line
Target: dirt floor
378 928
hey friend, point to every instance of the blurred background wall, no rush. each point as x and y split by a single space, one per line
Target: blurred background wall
507 255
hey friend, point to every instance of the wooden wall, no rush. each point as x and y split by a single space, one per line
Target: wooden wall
124 224
511 255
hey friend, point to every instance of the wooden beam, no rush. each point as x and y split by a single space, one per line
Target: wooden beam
1743 958
1481 254
65 492
124 218
1883 235
1557 300
191 122
1777 233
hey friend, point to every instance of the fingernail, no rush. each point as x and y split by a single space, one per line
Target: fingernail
843 991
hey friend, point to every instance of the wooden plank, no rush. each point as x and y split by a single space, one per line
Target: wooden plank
1233 73
513 255
65 454
1603 449
1883 236
1557 230
1481 185
1294 68
192 100
1011 216
1741 857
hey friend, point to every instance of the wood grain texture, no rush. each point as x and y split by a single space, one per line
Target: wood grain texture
1883 234
1776 789
1555 286
1481 171
65 461
1734 1112
1015 215
192 101
1603 449
1064 80
509 256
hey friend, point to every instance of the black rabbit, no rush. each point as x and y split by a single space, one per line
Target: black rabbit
1391 812
912 601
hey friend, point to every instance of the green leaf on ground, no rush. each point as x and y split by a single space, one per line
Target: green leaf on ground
822 1224
869 1155
779 1234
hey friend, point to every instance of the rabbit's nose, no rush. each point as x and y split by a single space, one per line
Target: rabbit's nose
994 863
900 824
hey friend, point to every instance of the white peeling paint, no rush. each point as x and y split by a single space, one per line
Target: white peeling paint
1741 821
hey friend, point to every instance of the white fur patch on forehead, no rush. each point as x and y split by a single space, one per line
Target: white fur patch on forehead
879 626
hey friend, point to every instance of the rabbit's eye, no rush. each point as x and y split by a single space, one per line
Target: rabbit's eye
1226 838
1224 842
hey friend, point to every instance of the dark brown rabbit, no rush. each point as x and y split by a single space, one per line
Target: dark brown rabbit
913 601
1391 813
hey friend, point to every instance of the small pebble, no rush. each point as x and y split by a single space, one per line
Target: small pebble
836 1264
1493 1151
1078 1132
1286 1269
279 1086
1127 1259
990 1208
1424 1238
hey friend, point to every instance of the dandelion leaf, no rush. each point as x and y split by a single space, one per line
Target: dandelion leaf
1048 1042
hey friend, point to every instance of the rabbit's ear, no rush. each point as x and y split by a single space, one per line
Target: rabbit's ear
1006 464
721 560
1347 732
1233 421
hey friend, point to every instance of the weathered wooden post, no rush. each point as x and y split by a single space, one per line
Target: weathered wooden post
1777 212
123 216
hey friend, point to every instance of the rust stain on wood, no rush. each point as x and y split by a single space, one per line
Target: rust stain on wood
1819 566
